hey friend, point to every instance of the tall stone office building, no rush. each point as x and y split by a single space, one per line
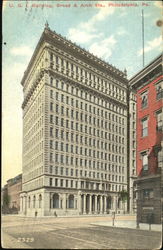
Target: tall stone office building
75 120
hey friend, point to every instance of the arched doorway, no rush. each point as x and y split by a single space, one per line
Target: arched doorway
71 201
109 203
55 200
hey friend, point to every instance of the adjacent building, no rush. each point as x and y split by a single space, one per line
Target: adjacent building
11 195
75 128
148 85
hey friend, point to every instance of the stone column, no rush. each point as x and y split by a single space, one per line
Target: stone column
115 204
101 205
20 204
90 204
84 204
51 201
64 202
25 200
46 204
104 204
95 204
79 203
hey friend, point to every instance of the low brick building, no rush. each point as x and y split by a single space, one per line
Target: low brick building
14 187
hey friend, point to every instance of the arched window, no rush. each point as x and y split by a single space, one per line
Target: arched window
40 201
71 201
34 201
56 201
29 202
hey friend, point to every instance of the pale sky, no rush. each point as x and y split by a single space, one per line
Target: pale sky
112 33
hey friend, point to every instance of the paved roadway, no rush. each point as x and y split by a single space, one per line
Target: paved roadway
73 233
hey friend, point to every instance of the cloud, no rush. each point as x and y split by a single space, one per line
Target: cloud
121 31
158 4
81 36
86 31
103 48
156 43
21 51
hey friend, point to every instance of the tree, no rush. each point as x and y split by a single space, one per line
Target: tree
6 201
123 195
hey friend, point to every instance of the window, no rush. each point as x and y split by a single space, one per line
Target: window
51 118
55 201
50 181
159 91
160 158
71 201
145 161
147 194
34 201
144 127
144 100
51 106
159 120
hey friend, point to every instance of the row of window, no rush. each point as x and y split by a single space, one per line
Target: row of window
77 72
62 159
144 95
82 173
66 171
84 117
145 123
84 128
79 104
83 185
85 151
65 135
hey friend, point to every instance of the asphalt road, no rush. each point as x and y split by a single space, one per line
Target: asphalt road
73 233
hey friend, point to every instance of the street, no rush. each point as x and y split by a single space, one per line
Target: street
74 233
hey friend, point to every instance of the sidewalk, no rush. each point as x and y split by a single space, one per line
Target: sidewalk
129 224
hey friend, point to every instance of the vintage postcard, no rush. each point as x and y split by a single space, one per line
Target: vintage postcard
82 127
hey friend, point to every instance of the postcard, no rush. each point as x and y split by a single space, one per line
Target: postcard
82 124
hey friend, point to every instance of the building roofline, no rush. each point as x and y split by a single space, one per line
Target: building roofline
108 66
147 69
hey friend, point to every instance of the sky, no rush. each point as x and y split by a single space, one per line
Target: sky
108 31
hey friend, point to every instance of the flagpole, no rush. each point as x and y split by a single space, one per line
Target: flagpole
143 35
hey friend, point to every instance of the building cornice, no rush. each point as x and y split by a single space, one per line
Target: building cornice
147 74
61 42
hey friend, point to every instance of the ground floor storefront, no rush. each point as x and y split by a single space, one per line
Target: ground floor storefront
62 203
149 208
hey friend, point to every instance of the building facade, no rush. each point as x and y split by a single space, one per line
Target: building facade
148 85
11 195
75 121
132 175
14 187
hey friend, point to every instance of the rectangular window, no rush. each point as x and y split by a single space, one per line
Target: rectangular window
145 161
50 181
51 118
144 102
144 127
51 106
159 91
148 194
159 120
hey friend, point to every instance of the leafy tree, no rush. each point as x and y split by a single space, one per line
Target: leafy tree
6 201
